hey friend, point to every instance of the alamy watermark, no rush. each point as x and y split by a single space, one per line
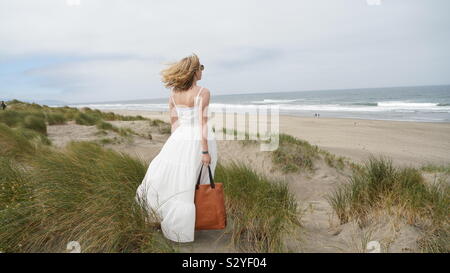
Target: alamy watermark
260 123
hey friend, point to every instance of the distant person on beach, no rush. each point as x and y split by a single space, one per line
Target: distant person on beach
3 105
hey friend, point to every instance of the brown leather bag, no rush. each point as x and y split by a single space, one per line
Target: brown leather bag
209 204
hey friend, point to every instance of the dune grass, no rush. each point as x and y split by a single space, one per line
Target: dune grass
15 144
262 212
11 118
86 119
294 154
436 168
33 136
379 186
163 127
35 123
84 193
56 119
332 160
17 111
156 122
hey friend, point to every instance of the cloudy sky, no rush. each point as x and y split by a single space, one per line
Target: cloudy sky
106 50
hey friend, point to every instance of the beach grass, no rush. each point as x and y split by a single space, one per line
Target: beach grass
103 125
84 193
36 123
86 119
293 154
164 128
14 143
379 186
33 136
56 119
333 160
261 211
156 122
434 168
59 115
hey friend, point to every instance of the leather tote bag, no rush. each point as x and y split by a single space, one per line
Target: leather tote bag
209 204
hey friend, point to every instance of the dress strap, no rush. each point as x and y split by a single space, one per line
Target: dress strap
198 94
173 100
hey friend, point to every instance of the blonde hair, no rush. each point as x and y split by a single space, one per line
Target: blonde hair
180 75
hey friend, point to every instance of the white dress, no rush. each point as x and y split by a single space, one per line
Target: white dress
168 188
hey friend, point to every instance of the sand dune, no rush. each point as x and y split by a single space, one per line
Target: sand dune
407 143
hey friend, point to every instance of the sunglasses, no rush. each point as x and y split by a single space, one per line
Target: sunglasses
202 67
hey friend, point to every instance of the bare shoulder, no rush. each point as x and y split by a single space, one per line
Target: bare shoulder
205 93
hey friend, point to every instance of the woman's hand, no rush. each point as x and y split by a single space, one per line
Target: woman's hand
206 159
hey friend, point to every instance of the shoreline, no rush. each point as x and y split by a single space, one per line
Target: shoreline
407 143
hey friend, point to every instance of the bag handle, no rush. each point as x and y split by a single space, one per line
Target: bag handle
211 180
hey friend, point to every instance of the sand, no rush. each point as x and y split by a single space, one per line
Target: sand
406 143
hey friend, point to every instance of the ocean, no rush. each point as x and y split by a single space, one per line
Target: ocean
419 103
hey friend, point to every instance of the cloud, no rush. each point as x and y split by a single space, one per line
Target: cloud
110 49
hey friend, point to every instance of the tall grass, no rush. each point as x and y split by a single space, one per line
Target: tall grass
109 116
33 136
102 125
379 186
17 111
294 154
35 123
11 118
14 144
163 127
86 119
262 212
436 168
15 187
332 160
84 193
56 119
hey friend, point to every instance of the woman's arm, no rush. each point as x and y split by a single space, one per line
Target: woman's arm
173 115
204 103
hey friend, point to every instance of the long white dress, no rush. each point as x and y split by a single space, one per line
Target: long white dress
168 188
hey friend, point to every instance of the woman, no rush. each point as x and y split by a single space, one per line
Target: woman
168 189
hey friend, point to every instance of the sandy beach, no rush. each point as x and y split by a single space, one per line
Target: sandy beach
321 228
407 143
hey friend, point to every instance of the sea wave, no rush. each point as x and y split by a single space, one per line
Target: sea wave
264 101
126 106
406 105
366 103
383 106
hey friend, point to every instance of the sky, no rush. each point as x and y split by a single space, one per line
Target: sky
105 50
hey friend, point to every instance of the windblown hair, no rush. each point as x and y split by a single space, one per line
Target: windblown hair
180 75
